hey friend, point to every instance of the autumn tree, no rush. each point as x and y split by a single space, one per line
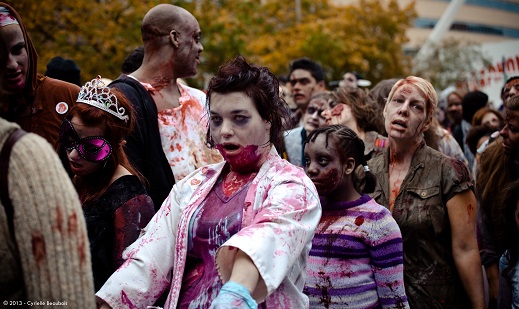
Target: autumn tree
366 37
97 35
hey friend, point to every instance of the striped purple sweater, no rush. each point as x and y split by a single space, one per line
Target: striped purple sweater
356 259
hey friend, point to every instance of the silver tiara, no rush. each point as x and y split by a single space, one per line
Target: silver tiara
96 93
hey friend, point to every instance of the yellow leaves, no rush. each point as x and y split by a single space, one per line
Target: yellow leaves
99 34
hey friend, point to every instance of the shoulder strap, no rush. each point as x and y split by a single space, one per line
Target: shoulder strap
5 154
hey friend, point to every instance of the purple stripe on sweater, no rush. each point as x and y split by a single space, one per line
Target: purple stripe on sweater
325 237
391 242
343 291
387 256
392 301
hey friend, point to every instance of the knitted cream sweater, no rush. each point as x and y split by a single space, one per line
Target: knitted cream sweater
53 264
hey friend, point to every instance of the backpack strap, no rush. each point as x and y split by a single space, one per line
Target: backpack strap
5 154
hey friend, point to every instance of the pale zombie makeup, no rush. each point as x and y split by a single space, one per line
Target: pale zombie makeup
323 164
350 80
239 132
405 114
314 116
13 78
339 113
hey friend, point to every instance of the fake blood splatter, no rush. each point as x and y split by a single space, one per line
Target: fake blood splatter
59 219
125 300
245 160
234 182
72 223
470 209
337 110
327 181
38 247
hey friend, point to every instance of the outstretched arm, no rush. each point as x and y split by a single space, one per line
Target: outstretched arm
236 293
462 216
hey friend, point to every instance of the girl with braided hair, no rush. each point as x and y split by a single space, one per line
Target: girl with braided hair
356 260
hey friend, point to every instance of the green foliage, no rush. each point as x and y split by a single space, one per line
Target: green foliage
98 35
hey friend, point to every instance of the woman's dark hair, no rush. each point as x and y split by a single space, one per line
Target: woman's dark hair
115 130
349 145
510 230
259 84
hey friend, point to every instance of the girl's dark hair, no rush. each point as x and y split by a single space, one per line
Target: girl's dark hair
95 185
259 84
350 146
510 230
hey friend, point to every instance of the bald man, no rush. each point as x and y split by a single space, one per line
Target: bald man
169 140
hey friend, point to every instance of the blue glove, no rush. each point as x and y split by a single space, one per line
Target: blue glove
234 296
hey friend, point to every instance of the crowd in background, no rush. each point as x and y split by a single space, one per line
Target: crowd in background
257 192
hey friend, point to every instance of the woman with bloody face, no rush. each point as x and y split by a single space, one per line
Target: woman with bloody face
236 233
356 259
115 203
431 198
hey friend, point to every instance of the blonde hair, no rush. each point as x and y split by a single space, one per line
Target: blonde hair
427 89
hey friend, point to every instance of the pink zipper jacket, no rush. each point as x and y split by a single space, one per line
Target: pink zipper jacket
280 215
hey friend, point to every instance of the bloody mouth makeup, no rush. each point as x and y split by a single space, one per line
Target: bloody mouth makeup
241 159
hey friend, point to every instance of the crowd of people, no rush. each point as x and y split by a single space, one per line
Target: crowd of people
257 192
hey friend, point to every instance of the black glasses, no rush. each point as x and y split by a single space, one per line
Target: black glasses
91 148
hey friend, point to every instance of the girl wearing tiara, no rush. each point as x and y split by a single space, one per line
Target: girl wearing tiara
356 260
115 203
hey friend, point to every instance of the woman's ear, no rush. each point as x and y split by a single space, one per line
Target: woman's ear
349 166
267 125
